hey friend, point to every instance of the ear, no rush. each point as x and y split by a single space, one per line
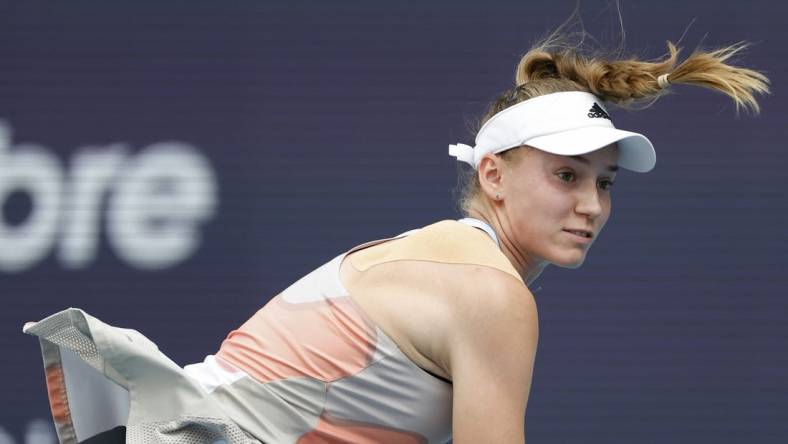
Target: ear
490 173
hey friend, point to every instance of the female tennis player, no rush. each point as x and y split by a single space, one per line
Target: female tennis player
423 337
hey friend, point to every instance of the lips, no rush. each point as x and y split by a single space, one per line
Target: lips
584 233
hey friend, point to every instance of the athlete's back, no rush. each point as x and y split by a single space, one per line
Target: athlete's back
349 353
349 348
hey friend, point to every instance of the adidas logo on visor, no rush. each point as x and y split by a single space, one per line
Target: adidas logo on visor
596 111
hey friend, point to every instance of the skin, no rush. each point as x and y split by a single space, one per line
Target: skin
541 194
478 326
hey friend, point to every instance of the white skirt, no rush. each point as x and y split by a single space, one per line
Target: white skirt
100 377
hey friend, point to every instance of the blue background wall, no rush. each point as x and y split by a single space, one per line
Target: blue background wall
322 125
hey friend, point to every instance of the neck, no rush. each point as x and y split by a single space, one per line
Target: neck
528 267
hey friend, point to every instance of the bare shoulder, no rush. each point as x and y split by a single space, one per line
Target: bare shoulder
491 354
484 293
494 311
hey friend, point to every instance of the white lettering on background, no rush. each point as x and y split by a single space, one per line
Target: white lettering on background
156 202
160 200
92 174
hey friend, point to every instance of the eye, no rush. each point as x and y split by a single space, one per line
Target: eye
564 174
606 184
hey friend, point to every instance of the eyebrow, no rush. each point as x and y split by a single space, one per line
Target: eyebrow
582 159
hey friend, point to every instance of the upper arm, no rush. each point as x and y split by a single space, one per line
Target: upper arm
492 349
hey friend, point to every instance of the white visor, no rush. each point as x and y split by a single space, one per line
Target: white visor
565 123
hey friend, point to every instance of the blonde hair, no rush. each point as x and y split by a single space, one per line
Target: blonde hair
556 65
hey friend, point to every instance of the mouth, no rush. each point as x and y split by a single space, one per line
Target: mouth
581 233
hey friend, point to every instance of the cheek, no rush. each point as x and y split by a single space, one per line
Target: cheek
543 210
554 202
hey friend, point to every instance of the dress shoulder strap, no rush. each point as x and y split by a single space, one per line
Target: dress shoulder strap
482 225
447 241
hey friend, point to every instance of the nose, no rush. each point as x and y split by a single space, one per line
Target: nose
589 202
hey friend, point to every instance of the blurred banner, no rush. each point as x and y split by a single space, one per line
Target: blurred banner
171 166
153 204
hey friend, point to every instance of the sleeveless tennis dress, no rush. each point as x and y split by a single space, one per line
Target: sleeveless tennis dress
309 367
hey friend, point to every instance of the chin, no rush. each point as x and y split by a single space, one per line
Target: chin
570 262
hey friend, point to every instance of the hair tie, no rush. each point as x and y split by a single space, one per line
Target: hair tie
662 81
